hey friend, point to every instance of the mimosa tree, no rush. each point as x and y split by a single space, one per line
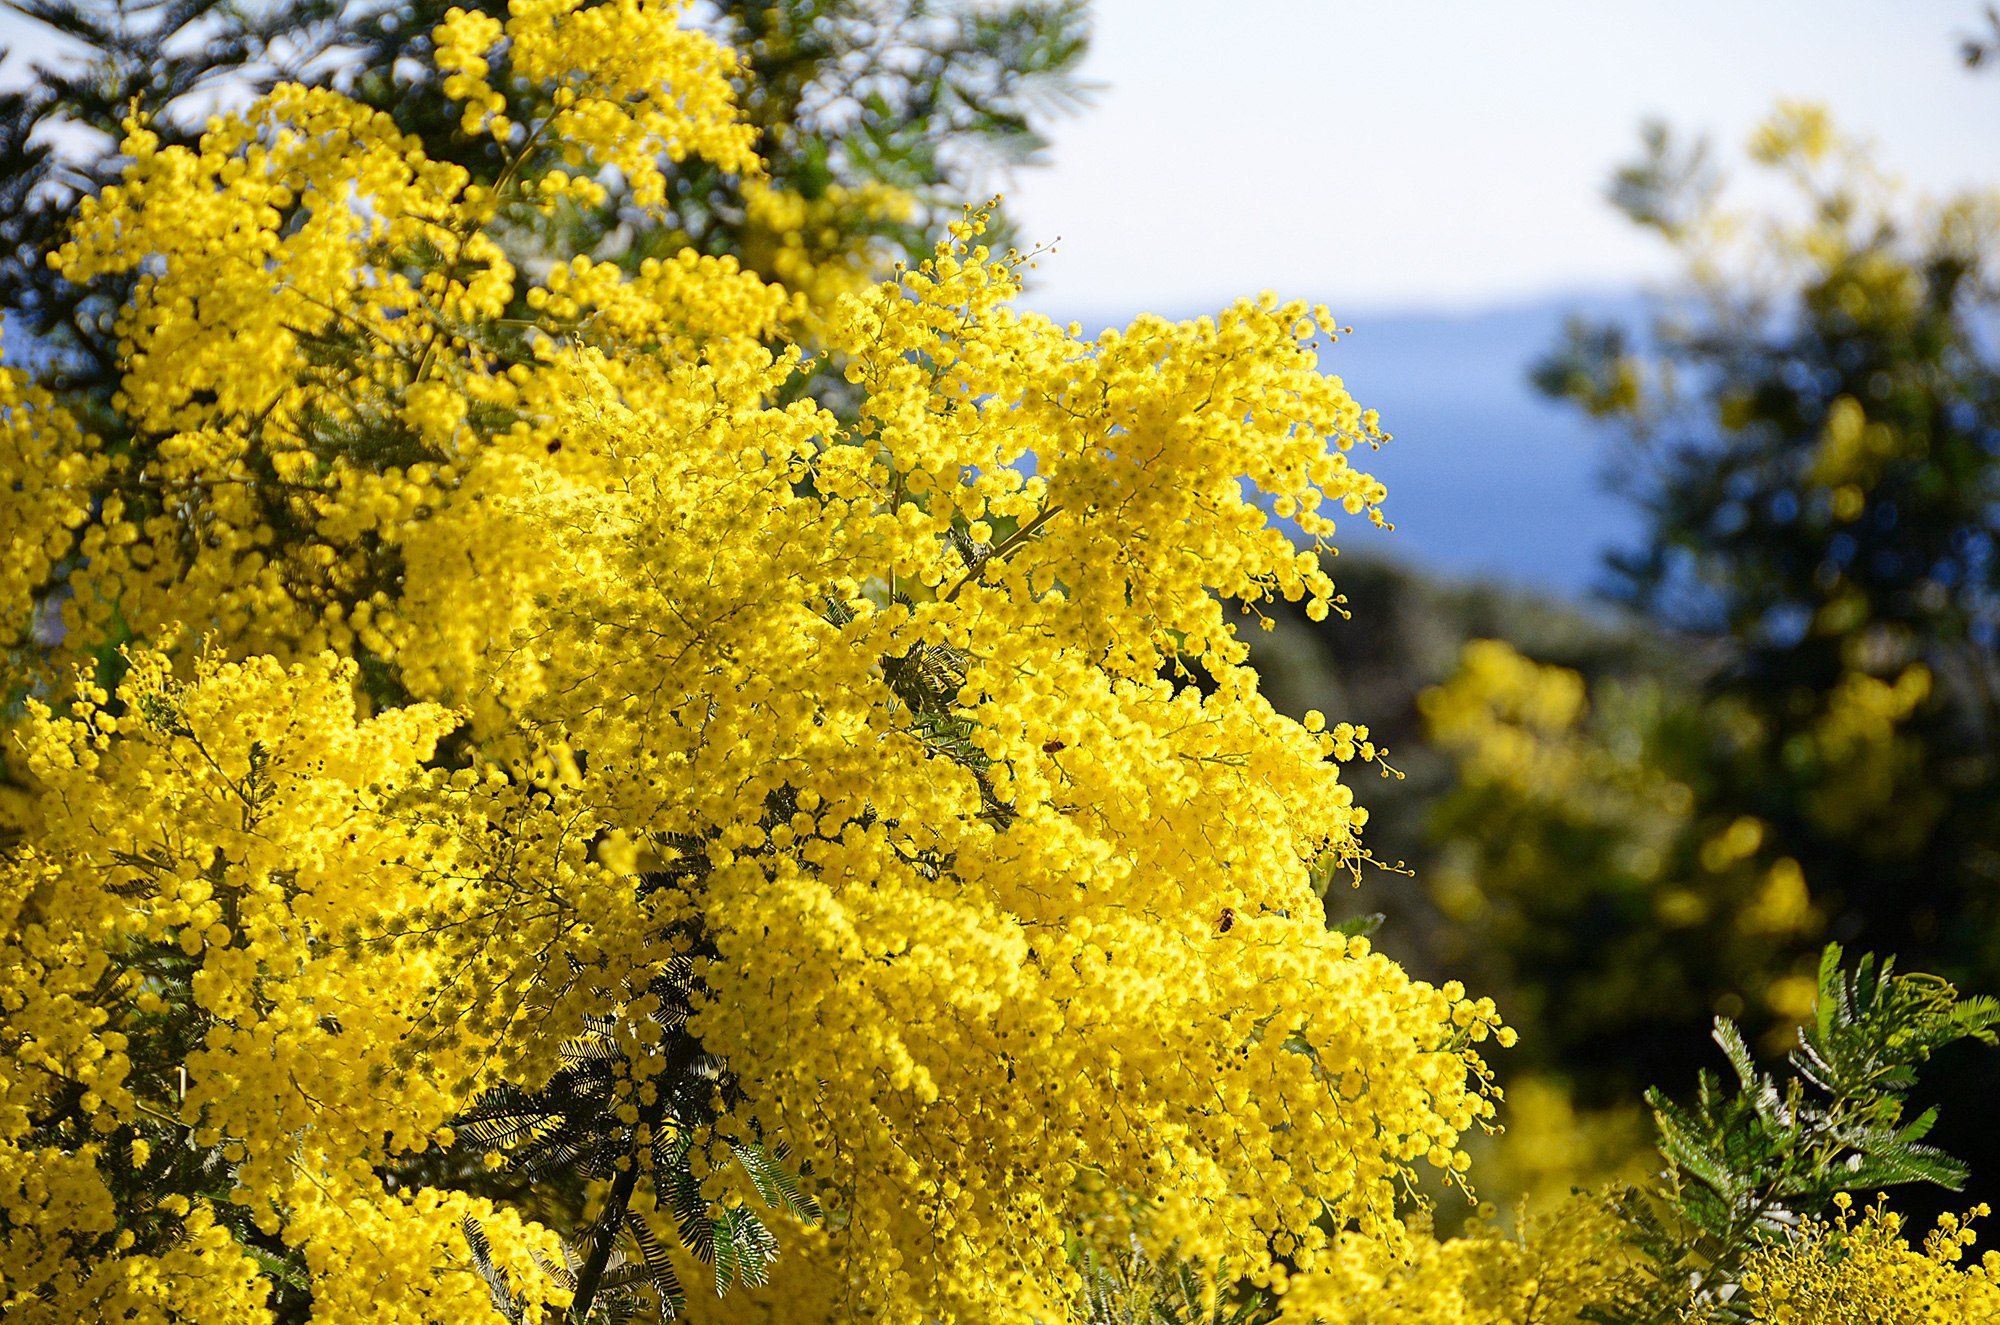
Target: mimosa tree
518 808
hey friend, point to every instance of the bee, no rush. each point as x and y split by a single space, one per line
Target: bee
1228 920
1053 747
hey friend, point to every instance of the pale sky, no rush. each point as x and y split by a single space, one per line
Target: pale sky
1449 154
1440 154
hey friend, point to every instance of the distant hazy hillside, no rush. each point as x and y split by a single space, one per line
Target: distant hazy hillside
1486 479
1485 476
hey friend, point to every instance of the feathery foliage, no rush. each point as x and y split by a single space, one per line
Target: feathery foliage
1747 1160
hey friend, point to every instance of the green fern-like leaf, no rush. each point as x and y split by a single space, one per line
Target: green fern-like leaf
1745 1162
659 1269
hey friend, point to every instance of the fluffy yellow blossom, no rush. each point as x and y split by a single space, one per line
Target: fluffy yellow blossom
565 670
51 468
315 326
1857 1269
1568 1259
811 245
226 845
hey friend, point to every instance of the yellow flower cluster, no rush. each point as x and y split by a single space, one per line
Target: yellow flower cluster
1576 1261
626 88
820 247
1514 721
1861 1271
50 468
317 318
998 926
230 844
1527 733
1566 1260
1869 763
1527 730
1851 454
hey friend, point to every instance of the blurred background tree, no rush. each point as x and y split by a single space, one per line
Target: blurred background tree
1806 746
1812 427
1813 430
1978 48
1630 817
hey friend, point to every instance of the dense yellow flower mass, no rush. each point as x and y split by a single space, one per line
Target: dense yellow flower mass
50 466
520 642
1581 800
1859 1270
229 842
1576 1261
1564 1262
